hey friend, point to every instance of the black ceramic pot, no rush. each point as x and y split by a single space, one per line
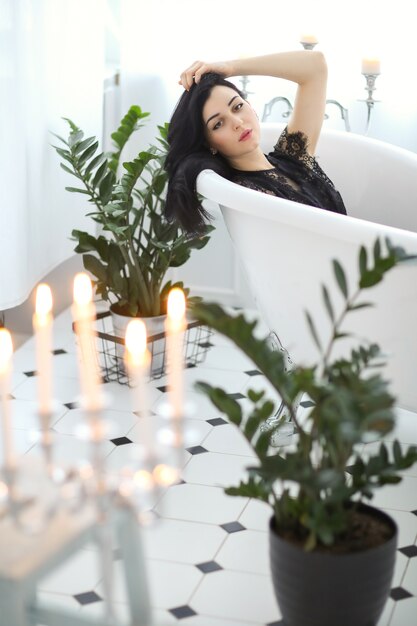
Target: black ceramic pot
321 589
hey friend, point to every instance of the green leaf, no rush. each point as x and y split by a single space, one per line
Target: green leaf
98 160
313 331
327 302
87 154
340 277
363 260
79 147
76 190
98 176
93 265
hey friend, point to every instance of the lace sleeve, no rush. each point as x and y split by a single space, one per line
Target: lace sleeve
295 145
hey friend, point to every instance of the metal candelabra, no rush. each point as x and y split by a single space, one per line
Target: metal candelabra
344 113
370 101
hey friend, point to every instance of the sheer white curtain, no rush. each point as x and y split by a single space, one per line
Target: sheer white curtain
51 66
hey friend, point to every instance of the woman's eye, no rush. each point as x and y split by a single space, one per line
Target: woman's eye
217 125
239 106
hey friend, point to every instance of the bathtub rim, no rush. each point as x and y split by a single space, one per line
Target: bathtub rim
305 217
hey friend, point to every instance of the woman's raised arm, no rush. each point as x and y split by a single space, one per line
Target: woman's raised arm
307 68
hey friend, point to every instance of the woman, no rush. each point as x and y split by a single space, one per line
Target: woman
214 127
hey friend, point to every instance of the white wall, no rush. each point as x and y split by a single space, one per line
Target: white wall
162 37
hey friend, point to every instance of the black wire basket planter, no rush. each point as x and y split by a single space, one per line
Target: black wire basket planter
110 349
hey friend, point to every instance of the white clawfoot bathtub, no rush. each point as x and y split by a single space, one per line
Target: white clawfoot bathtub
286 249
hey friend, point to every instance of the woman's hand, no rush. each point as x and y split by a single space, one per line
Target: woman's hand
196 70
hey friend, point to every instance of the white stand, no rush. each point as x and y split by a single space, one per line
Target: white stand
24 560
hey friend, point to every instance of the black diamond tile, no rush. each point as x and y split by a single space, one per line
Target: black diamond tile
71 405
208 567
30 374
88 598
163 388
121 441
235 396
59 351
206 344
190 366
253 373
409 551
232 527
398 593
196 450
182 611
306 404
414 512
216 421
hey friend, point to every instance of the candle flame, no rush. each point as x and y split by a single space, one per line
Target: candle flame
43 299
136 337
6 349
176 304
165 474
83 290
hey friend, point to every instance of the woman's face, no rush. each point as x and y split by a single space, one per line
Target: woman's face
231 125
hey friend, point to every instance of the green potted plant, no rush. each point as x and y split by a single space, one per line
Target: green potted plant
332 556
130 257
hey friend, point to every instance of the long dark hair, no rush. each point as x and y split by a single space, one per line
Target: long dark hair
188 155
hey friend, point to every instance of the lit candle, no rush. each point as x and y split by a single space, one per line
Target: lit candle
308 39
138 362
6 352
175 326
42 324
371 66
84 315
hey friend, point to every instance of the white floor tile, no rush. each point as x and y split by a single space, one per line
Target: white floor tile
79 574
256 515
58 600
227 358
230 381
409 581
405 427
64 389
402 497
118 422
200 406
216 469
200 503
25 414
405 612
228 439
407 526
183 542
246 551
236 596
170 584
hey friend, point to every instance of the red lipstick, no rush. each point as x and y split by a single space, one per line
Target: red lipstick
245 135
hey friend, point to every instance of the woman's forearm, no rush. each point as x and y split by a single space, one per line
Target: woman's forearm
299 66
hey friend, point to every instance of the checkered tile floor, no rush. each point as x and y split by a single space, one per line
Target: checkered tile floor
207 555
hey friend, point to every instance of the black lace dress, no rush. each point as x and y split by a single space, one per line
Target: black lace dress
296 176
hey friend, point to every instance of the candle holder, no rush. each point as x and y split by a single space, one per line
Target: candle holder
244 81
370 101
309 45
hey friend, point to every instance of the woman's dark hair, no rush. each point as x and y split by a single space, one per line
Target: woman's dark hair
188 155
